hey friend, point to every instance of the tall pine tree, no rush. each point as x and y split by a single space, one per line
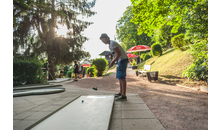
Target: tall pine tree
34 24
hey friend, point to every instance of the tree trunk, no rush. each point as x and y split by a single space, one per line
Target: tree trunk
49 41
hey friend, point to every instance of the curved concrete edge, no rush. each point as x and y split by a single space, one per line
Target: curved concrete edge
31 92
31 85
42 119
59 80
35 87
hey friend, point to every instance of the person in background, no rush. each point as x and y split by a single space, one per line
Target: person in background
76 69
80 70
61 71
55 71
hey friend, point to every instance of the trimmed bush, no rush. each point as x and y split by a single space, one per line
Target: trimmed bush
133 63
145 56
156 49
99 65
27 70
90 69
179 42
69 73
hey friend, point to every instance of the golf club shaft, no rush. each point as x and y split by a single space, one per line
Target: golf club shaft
102 77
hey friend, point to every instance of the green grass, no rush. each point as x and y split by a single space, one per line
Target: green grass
108 74
170 64
112 67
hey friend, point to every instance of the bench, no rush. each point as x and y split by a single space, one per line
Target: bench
143 72
150 75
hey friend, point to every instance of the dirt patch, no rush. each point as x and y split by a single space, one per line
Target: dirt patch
175 107
172 80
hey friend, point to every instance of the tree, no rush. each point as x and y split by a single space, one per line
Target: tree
152 14
127 32
44 16
165 35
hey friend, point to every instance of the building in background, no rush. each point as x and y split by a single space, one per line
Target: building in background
108 55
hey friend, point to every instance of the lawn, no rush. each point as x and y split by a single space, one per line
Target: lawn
171 65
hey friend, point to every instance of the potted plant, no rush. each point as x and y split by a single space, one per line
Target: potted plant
136 72
134 65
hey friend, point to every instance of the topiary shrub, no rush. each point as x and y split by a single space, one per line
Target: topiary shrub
99 65
179 42
90 70
156 49
145 56
133 63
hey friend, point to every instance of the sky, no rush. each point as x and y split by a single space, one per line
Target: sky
108 13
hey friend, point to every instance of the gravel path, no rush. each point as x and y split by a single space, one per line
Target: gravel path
177 108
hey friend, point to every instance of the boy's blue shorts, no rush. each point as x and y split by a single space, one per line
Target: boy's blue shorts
121 69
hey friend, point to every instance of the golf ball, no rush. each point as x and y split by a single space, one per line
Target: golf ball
82 101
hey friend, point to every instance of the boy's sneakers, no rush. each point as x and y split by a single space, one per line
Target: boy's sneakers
122 98
118 95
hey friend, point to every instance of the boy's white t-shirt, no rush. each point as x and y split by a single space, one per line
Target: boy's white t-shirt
114 44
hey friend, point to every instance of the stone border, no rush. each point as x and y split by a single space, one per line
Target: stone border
35 87
204 89
187 87
40 120
30 85
58 81
25 93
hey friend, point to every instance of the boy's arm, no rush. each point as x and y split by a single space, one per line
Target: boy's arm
118 54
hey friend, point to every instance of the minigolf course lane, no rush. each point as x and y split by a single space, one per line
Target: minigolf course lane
84 113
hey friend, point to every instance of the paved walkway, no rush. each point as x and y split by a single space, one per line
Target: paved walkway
176 108
131 114
171 106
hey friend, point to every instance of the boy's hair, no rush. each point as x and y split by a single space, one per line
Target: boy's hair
104 35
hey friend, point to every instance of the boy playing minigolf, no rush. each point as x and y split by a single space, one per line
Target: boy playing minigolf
122 59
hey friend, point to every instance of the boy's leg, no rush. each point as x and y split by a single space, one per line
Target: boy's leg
120 83
123 86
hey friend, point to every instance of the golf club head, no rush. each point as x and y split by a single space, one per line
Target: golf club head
95 88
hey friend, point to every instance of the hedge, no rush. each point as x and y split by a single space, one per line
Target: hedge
28 71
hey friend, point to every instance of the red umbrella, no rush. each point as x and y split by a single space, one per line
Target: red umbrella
131 55
86 65
139 48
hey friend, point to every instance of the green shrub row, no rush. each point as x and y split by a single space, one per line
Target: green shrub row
27 70
199 69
